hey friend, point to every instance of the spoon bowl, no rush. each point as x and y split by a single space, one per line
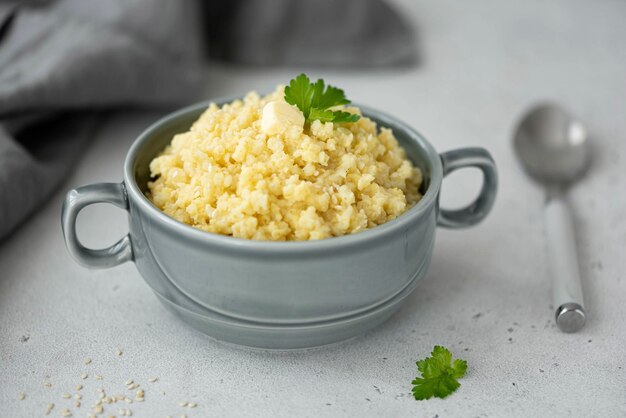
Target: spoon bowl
552 145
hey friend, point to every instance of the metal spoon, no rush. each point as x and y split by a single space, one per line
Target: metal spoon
553 147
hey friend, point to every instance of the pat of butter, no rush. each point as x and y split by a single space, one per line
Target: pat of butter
278 116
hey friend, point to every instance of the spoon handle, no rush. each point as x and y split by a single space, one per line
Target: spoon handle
563 265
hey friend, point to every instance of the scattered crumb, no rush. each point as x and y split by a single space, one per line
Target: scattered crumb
510 330
47 384
139 395
477 315
22 396
119 352
540 370
24 338
87 360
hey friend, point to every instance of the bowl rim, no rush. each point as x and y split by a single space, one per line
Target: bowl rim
377 233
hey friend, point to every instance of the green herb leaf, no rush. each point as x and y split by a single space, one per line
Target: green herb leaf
315 100
299 93
439 377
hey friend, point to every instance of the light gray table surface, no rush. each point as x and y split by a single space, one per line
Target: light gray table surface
486 296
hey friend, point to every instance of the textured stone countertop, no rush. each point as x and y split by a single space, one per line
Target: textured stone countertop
486 296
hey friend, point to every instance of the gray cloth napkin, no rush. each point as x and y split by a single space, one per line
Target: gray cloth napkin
63 62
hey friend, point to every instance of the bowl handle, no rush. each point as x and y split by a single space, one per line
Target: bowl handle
477 210
75 201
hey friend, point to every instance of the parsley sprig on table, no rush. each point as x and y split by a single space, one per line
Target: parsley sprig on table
439 378
315 100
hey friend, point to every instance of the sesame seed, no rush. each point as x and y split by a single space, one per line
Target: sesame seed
49 408
79 387
152 380
128 400
22 396
77 404
101 390
183 416
183 404
98 409
66 396
48 384
87 360
78 396
66 412
129 382
192 404
98 377
84 376
119 352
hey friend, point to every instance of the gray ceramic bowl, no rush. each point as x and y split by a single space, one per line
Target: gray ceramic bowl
278 294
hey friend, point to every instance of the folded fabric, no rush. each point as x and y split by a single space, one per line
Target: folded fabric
63 61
